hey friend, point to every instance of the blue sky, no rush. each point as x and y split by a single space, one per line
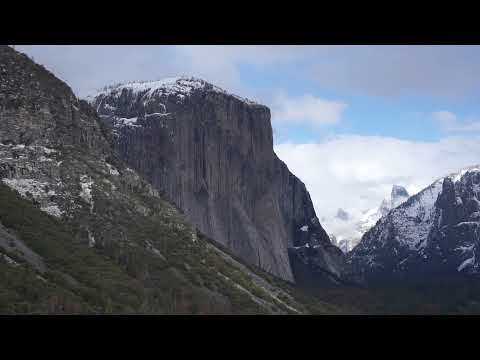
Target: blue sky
350 121
388 90
406 116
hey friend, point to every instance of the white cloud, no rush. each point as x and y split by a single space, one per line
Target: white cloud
444 117
449 122
90 67
306 109
440 71
367 70
356 173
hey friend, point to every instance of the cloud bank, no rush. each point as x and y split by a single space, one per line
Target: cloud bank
449 122
448 71
307 109
356 173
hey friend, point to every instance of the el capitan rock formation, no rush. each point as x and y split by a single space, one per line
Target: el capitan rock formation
211 153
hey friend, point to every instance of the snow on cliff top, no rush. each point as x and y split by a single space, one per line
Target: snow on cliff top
179 86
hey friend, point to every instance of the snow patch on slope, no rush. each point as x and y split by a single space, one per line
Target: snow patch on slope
415 218
468 262
126 122
86 190
53 210
36 190
112 170
91 239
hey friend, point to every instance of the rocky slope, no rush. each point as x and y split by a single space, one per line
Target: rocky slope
211 153
434 234
80 232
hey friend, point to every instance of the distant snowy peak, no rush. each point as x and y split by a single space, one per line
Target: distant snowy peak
398 191
398 195
348 228
179 87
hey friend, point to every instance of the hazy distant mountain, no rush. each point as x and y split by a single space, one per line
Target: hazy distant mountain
398 195
342 215
350 229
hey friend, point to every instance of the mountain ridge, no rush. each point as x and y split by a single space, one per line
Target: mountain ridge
425 235
183 84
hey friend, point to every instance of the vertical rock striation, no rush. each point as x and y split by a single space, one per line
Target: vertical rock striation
211 153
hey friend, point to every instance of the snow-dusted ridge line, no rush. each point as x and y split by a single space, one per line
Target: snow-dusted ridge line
421 225
459 174
428 196
180 86
413 219
435 187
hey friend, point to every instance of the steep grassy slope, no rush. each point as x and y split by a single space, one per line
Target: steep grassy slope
187 277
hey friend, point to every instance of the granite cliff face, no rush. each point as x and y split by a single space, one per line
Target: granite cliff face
211 153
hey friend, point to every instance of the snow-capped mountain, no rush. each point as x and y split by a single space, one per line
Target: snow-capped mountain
398 196
434 232
347 229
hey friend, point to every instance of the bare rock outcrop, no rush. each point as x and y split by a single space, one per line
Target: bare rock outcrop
211 153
